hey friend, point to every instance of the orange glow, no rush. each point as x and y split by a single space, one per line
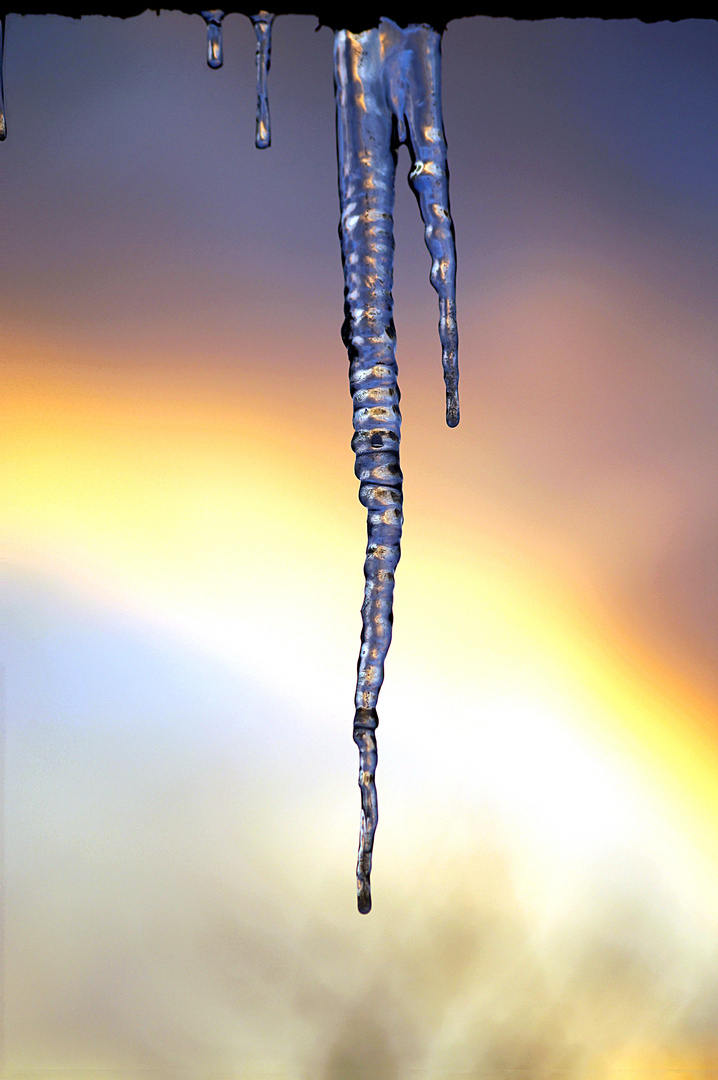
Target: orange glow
177 494
645 1063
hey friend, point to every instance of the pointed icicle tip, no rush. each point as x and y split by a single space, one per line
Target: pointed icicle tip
364 898
262 23
213 19
366 722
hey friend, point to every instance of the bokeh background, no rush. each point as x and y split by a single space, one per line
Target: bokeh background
183 568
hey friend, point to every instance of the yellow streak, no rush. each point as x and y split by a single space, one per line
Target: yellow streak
201 496
538 631
647 1063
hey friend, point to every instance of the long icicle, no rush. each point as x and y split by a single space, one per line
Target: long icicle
262 24
387 92
3 123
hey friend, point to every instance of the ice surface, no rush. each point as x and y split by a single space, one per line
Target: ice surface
263 29
388 92
213 19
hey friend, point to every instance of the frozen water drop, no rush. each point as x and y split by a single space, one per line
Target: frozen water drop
213 19
3 124
263 29
388 92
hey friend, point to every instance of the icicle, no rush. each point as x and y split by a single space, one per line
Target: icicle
263 29
214 37
3 125
387 92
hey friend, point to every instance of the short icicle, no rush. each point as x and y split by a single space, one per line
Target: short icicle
263 29
387 92
213 19
3 124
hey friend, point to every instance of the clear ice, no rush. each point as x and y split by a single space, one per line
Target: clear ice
388 92
3 125
213 19
263 29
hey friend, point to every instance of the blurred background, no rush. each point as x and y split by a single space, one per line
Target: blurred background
183 568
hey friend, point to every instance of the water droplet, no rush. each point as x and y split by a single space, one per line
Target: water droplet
263 29
214 37
388 91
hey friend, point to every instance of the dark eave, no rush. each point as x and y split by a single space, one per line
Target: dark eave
361 16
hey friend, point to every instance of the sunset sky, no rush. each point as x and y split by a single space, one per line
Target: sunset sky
183 551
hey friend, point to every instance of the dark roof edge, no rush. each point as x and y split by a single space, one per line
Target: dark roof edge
362 16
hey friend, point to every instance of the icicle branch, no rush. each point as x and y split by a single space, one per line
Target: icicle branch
429 179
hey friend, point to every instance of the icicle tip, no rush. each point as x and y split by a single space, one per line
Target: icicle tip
452 411
363 897
366 722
